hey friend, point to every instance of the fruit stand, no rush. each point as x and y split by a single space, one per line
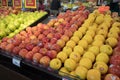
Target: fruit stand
76 45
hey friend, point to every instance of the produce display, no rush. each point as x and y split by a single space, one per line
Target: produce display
13 24
86 55
77 44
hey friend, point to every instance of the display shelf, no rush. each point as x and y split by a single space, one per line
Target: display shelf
28 68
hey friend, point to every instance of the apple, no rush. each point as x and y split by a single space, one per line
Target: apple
111 77
58 35
3 45
9 47
45 60
22 45
36 57
43 51
48 46
50 35
56 47
41 36
23 52
46 32
29 47
29 55
68 33
51 54
65 38
4 39
45 40
36 49
116 50
55 64
34 41
40 44
114 69
16 50
115 59
53 40
16 42
61 43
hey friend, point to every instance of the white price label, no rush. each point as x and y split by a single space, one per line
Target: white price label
16 61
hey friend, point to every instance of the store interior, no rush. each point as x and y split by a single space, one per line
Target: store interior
59 39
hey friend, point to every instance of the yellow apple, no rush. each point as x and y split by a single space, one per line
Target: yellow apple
97 43
91 32
101 66
63 71
89 55
71 44
93 74
78 34
61 43
79 49
106 49
88 38
103 57
75 39
86 62
94 49
62 56
82 30
70 64
83 43
81 72
99 37
55 64
75 56
111 41
67 50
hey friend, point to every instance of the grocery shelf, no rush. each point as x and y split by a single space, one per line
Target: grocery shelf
28 68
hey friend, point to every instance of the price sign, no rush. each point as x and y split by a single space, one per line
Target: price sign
30 3
4 2
17 3
16 61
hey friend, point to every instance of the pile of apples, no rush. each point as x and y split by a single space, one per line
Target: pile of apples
13 24
86 55
42 42
4 11
114 66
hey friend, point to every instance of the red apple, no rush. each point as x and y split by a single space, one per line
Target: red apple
5 39
34 41
43 51
53 40
37 57
40 44
115 59
111 77
50 35
45 40
23 33
16 50
36 49
41 36
36 33
56 47
33 37
16 42
68 33
29 47
29 55
23 52
51 54
114 69
48 46
46 32
3 45
10 40
22 45
58 35
9 47
116 50
45 60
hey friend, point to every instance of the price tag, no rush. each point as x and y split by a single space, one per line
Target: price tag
64 79
16 61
